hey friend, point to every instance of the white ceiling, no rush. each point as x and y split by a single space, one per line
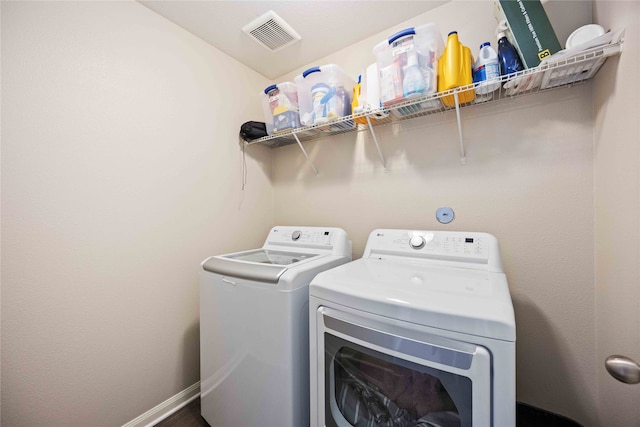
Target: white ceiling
325 26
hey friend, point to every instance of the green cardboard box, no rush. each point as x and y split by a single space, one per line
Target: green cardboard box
533 35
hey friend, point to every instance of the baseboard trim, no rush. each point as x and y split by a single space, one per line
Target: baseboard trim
173 404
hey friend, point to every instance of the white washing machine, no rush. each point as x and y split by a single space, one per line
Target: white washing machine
254 327
418 332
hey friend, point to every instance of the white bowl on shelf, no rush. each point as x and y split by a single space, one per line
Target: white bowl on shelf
584 34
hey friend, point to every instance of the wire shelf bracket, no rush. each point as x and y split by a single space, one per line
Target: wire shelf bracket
295 135
375 140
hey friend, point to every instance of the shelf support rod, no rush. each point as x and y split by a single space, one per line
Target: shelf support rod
305 154
463 159
375 140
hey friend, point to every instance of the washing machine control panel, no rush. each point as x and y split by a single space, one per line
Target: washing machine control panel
417 241
303 236
472 247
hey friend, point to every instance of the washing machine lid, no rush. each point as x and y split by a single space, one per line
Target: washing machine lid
258 264
264 256
469 301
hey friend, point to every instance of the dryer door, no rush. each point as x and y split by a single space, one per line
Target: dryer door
376 372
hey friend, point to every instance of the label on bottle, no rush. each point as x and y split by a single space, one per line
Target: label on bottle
413 82
486 72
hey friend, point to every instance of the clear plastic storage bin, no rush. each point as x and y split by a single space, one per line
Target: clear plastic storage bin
325 94
280 105
408 65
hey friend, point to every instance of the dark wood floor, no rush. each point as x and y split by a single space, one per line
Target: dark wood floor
527 416
189 416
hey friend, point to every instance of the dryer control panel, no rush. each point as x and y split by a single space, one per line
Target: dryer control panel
471 248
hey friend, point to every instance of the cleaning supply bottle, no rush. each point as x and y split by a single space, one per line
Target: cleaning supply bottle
486 71
508 56
413 82
321 95
358 101
454 70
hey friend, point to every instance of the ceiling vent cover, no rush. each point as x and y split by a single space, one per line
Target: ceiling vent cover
271 32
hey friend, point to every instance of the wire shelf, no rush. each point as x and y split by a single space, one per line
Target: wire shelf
555 73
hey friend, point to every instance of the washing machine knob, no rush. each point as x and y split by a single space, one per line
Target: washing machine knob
417 242
296 235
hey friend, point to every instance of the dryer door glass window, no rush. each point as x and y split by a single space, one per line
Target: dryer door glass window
365 387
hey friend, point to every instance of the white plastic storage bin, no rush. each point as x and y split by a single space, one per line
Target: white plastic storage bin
325 94
280 105
408 64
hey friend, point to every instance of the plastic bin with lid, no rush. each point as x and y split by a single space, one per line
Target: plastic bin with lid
408 66
280 105
324 94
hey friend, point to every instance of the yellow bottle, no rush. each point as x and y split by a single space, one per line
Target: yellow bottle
356 108
455 70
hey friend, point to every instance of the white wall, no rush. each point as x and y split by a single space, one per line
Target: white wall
528 180
617 209
0 229
121 172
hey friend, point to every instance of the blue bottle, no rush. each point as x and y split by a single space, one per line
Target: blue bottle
508 56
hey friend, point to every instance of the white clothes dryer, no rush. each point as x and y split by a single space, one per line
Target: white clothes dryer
418 332
254 327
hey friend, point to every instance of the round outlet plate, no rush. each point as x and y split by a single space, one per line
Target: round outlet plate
445 215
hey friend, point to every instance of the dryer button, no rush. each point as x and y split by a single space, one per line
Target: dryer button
296 235
417 242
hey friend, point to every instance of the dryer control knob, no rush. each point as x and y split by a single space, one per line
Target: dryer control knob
296 235
417 242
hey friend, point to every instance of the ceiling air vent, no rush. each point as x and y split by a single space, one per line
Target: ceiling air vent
271 32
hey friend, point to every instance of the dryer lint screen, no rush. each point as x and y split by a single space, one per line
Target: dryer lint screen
272 257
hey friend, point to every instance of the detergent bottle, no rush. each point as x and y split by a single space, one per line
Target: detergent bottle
508 56
321 94
486 72
455 70
358 102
